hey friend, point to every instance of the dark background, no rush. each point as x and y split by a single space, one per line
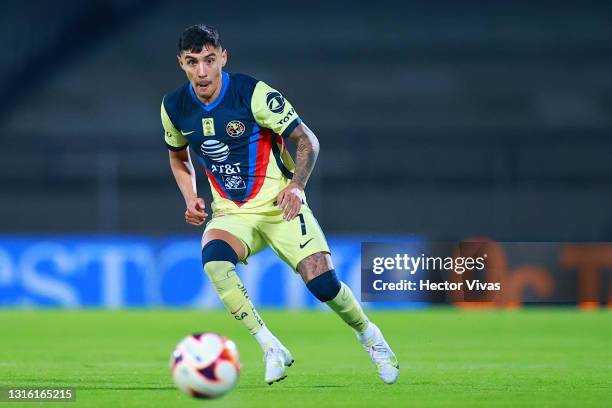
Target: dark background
445 119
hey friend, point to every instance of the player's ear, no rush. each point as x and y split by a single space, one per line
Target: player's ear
223 57
181 62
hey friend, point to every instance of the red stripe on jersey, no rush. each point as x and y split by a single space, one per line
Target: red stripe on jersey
264 146
215 184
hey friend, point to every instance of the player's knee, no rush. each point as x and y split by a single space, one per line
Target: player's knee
218 250
218 258
325 287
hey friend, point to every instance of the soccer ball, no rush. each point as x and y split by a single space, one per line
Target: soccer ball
205 365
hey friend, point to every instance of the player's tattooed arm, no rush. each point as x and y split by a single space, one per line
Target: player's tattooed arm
290 198
306 156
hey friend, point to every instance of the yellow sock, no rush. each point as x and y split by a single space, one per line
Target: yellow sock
233 294
347 307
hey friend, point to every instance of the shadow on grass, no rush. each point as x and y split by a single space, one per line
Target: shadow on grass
170 387
115 388
304 386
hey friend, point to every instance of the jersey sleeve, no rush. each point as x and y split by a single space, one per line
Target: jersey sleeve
174 139
271 110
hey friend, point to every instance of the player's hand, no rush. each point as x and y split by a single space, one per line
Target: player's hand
195 214
290 201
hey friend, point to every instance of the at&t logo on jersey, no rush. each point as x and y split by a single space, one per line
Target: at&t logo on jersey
215 150
230 173
235 128
275 102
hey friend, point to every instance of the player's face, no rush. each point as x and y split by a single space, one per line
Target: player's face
203 70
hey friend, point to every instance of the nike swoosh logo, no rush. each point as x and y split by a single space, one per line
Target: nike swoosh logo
187 133
305 243
237 310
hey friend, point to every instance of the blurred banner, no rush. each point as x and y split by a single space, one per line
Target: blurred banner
120 271
115 272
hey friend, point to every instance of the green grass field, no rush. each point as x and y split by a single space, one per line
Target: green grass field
538 357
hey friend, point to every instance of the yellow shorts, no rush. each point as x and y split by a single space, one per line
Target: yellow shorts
291 240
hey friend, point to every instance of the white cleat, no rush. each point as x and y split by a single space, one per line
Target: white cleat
277 360
383 358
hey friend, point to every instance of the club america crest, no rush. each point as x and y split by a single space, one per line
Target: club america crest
235 128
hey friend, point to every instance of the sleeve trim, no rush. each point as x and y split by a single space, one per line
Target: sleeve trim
296 122
176 148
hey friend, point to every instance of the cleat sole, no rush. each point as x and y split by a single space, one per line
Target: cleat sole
277 380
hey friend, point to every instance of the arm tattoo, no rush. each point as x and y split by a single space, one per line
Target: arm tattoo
306 156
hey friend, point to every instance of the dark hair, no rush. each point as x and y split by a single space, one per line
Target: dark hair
194 38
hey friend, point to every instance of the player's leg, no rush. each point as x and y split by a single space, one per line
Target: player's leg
221 250
302 244
317 271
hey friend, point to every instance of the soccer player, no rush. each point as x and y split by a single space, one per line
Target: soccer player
237 126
